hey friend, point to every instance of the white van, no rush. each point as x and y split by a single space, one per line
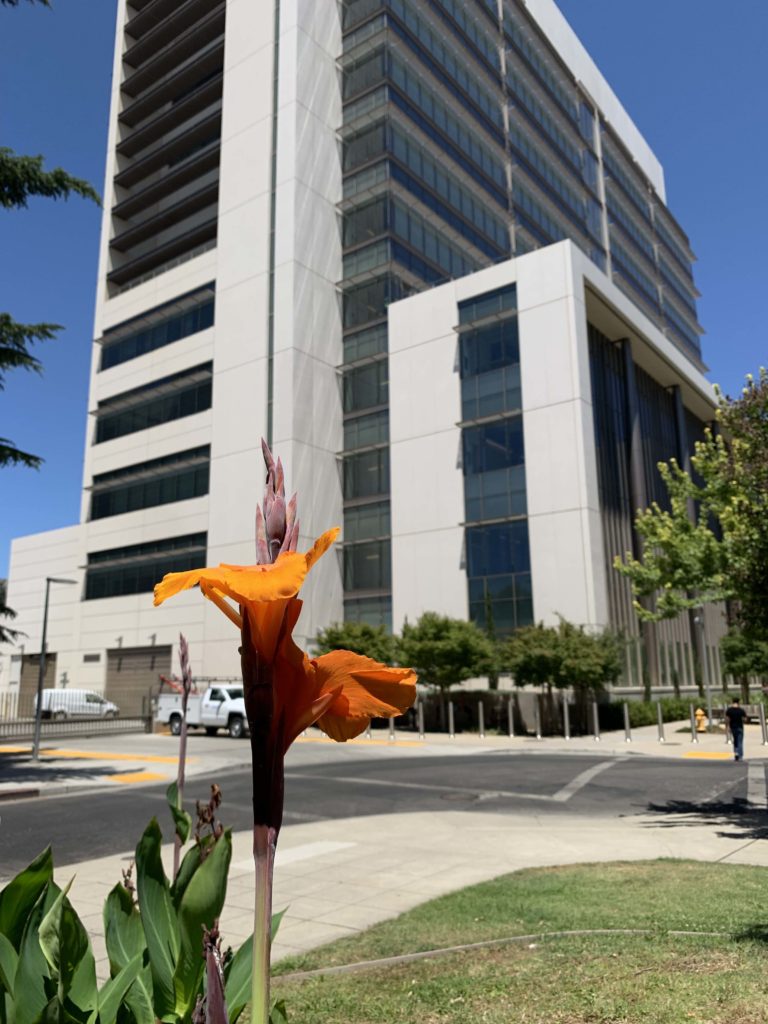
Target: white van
76 703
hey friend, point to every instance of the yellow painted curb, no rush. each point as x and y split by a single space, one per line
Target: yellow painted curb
96 755
710 755
129 777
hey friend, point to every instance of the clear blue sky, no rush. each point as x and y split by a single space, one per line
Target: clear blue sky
693 77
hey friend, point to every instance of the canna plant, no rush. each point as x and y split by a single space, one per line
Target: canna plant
164 950
285 691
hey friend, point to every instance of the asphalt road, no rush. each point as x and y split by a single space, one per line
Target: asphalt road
107 821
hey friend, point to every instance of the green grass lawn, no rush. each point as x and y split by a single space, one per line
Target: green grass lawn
597 979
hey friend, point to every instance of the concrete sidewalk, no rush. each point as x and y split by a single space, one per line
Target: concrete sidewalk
141 759
339 877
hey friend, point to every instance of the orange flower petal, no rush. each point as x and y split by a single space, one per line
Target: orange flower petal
320 546
275 582
342 729
368 690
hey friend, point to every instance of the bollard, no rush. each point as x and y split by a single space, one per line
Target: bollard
537 715
511 717
566 718
451 722
595 722
728 737
391 729
694 737
420 714
627 727
368 735
481 719
763 729
660 720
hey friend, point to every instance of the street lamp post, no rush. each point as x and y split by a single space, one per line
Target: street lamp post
41 674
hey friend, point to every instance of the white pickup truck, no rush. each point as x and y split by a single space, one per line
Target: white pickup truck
220 707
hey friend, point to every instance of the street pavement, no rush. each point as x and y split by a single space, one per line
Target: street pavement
442 830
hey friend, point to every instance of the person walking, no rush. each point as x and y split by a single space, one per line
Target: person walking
736 716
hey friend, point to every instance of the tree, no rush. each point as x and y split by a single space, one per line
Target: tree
563 656
744 657
445 651
7 635
360 638
721 551
22 177
531 655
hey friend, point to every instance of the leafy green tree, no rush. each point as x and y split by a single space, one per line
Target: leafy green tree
720 552
563 656
743 657
360 638
531 655
445 651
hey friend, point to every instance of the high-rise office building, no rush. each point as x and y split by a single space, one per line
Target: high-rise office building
421 247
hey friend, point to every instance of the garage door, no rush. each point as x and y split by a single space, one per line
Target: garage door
133 676
30 669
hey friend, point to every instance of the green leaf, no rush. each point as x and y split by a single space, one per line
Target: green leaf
67 948
278 1014
125 940
200 906
158 918
9 962
112 994
123 931
182 820
238 973
33 975
275 923
189 865
20 895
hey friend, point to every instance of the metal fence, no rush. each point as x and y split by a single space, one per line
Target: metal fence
70 712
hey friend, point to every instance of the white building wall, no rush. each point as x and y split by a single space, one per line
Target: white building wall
307 419
555 285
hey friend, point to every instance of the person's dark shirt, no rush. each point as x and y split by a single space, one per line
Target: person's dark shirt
736 717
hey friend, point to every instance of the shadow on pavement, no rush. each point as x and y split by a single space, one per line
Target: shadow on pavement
19 770
738 818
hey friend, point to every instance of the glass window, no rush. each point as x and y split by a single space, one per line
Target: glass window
362 344
135 569
366 386
369 301
501 300
366 430
498 549
376 611
366 522
155 403
360 149
366 474
367 566
489 348
365 222
493 446
157 330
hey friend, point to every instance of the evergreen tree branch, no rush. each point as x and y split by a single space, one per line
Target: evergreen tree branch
12 456
15 339
23 176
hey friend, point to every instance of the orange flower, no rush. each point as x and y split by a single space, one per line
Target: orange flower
340 691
